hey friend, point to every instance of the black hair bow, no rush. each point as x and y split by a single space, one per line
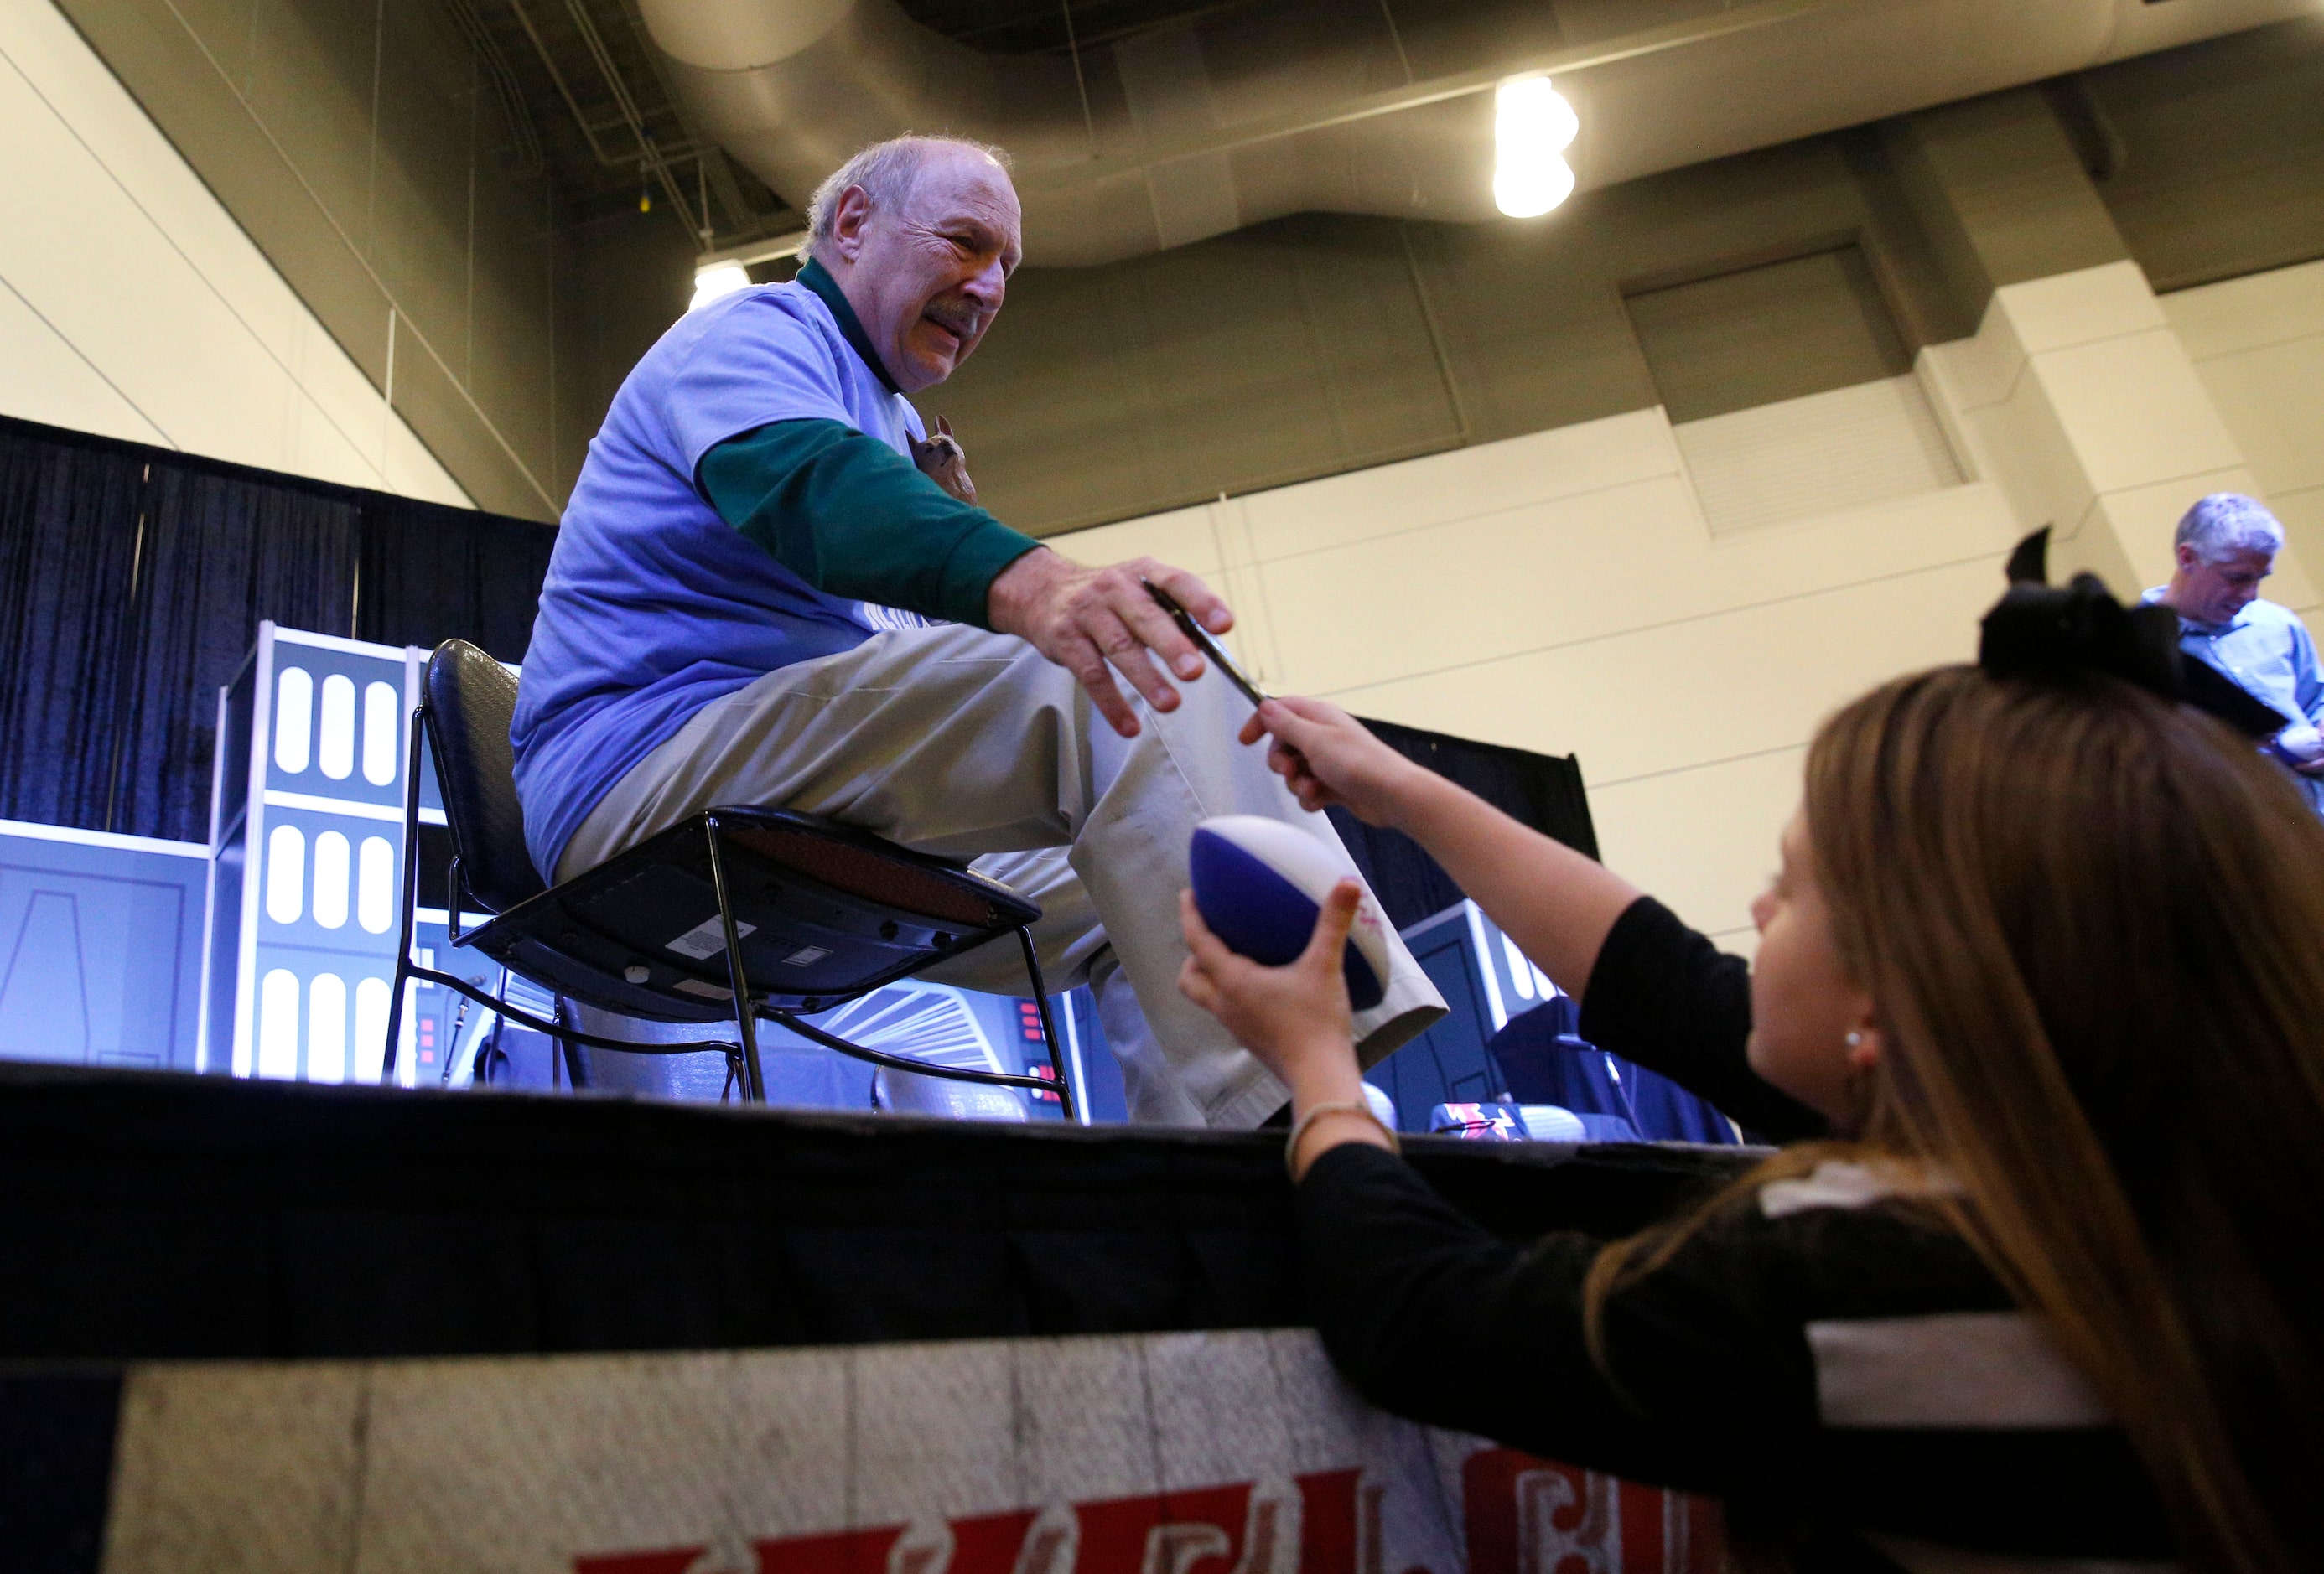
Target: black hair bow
2038 630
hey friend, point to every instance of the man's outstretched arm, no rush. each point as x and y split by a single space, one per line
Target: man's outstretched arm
853 518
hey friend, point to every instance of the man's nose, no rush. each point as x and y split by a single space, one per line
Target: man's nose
987 288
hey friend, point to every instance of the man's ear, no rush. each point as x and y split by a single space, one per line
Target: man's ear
848 217
2185 554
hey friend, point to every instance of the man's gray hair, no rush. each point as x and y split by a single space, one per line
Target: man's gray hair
887 172
2227 522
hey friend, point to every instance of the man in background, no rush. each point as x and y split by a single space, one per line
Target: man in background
2226 545
772 586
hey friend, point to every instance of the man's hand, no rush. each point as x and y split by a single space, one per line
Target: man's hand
944 461
2302 748
1086 619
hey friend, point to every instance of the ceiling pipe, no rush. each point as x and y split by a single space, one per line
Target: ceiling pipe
1194 129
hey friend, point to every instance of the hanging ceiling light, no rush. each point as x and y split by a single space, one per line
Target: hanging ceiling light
1533 126
717 273
716 280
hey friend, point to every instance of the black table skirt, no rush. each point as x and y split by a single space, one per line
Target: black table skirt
175 1217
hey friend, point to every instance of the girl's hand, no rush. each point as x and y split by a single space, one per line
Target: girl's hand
1328 756
1295 1018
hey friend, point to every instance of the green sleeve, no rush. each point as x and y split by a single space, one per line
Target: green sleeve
853 518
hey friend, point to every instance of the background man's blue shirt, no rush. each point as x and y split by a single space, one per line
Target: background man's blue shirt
2264 650
654 606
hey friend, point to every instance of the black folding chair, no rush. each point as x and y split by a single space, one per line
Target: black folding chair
807 913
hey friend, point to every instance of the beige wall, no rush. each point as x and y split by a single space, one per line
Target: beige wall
1320 343
2211 158
1570 592
2258 346
362 147
133 305
1564 593
1323 344
2080 399
359 146
353 144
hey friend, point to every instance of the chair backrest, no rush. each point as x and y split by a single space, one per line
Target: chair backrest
471 699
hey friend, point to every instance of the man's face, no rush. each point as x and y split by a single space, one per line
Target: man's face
2213 592
927 277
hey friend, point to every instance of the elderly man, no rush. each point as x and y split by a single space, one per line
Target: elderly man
2226 545
739 610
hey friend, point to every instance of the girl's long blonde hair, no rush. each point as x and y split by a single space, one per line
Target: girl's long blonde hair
2093 925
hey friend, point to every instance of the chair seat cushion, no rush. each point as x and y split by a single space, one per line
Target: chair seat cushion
825 912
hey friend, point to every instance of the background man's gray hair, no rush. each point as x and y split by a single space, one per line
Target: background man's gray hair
2227 522
886 170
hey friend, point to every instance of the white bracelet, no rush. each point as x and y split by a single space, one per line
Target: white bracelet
1344 1106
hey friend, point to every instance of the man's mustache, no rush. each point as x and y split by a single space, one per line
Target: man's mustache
957 316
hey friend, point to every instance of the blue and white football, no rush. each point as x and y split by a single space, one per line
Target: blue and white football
1258 884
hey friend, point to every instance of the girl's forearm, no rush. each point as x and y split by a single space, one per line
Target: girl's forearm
1555 903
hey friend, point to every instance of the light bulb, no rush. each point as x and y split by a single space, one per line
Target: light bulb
718 278
1530 190
1533 111
1533 126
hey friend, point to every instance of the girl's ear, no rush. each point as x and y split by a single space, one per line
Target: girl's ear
1865 1046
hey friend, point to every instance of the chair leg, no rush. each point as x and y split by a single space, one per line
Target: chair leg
754 1084
568 1050
394 1018
1048 1026
406 891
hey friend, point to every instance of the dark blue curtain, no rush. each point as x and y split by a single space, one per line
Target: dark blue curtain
1544 791
68 529
133 580
221 553
1543 1061
1539 1059
431 573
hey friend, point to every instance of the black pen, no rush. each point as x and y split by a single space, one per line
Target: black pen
1219 657
1204 643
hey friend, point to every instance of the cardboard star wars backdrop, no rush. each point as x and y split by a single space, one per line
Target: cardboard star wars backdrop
1206 1453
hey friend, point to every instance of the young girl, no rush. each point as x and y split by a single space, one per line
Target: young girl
2044 966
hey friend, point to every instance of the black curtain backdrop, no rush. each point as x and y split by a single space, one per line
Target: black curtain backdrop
220 553
67 554
1540 790
430 574
132 583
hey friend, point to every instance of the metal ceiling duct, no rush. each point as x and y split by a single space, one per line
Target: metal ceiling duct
1224 120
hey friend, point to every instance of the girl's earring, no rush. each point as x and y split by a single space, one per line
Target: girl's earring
1855 1037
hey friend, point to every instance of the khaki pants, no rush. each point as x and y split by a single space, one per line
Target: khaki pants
956 742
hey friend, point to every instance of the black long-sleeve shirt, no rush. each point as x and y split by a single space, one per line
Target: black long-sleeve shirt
1665 997
1824 1350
